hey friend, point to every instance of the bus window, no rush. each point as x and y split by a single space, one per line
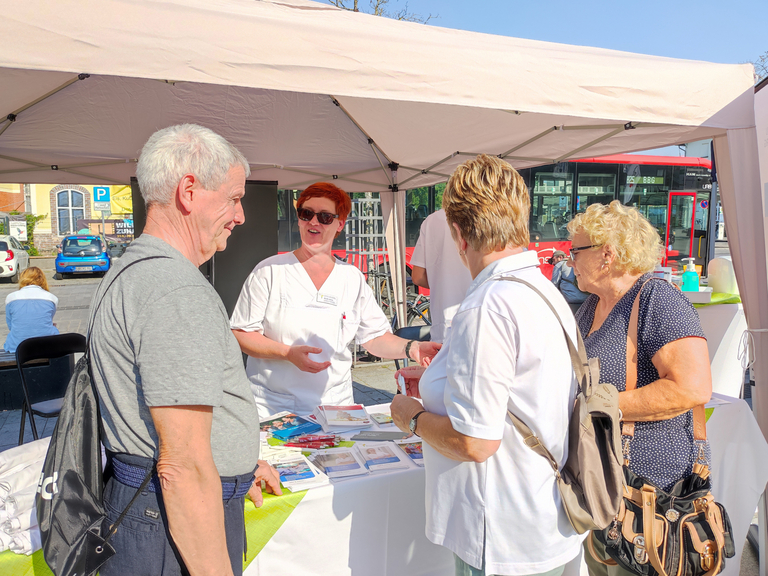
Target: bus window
595 189
550 206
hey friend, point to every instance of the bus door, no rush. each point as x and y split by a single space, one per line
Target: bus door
678 241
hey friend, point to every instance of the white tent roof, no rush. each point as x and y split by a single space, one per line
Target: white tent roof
268 74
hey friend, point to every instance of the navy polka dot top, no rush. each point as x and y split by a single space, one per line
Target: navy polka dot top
662 451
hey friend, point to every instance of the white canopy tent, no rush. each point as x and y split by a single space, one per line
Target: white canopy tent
309 92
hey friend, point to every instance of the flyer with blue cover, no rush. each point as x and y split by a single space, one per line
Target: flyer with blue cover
290 425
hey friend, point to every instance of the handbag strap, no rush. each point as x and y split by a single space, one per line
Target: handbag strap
580 366
628 426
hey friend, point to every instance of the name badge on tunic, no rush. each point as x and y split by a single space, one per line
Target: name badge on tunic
326 299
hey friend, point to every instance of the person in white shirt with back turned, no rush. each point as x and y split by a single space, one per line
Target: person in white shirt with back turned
436 265
490 499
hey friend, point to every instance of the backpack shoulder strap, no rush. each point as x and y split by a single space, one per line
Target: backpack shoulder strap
103 294
580 366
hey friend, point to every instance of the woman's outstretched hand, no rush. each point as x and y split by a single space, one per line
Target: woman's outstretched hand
425 351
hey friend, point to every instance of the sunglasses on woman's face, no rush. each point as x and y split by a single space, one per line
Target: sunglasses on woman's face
323 217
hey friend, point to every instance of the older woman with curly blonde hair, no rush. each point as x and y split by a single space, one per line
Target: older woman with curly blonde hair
614 250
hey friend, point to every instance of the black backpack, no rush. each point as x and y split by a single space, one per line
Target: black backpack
70 511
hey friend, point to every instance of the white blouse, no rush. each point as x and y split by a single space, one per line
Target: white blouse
505 350
279 300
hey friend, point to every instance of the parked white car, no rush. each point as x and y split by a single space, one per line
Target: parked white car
13 258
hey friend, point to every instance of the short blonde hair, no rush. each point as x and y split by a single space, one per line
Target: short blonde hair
33 276
637 243
489 201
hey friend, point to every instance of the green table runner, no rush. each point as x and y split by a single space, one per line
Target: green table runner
720 298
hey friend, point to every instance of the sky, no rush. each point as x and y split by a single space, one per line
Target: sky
723 31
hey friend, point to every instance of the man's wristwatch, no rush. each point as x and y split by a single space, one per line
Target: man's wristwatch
412 424
408 349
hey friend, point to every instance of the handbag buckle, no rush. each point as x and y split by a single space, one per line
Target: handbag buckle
641 554
708 556
672 515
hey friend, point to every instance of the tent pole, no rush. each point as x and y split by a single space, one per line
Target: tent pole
12 116
592 143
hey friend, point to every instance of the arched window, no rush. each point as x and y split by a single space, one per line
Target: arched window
70 208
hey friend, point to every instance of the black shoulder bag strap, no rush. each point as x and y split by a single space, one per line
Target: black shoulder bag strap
150 472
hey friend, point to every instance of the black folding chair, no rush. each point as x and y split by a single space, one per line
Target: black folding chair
418 333
43 347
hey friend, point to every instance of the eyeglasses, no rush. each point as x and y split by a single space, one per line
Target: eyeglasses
573 251
323 217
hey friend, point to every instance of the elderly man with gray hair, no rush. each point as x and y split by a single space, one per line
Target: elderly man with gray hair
172 386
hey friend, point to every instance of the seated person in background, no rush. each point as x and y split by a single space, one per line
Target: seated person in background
298 312
564 278
29 310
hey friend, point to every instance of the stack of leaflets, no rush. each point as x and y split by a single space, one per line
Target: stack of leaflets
339 462
342 418
382 456
297 473
413 449
286 425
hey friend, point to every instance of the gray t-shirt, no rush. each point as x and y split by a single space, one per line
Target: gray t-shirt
161 338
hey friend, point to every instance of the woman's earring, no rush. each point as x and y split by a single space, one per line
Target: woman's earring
462 252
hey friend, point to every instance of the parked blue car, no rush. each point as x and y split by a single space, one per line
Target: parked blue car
82 254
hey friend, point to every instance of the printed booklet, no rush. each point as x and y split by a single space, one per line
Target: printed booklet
381 419
353 416
382 456
286 425
345 418
339 462
413 449
297 473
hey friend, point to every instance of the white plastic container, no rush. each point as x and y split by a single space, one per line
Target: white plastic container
722 278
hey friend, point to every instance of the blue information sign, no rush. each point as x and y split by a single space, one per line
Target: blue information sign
101 193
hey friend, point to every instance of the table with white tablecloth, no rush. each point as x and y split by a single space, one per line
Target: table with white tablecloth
374 525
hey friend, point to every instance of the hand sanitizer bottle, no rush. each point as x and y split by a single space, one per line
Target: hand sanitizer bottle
690 277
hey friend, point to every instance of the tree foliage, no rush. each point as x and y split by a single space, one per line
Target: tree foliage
382 8
761 66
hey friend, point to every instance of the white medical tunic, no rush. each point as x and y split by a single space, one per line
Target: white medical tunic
505 350
279 300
